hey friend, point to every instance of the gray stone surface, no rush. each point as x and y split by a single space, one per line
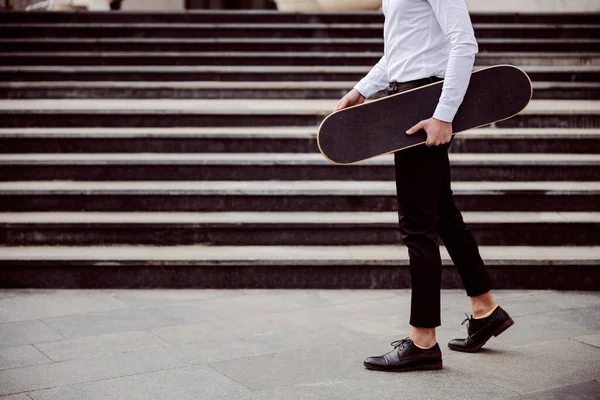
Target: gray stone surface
592 340
553 325
123 388
61 373
319 364
21 356
97 345
158 297
283 393
580 391
535 367
285 344
26 332
549 302
444 384
194 382
16 397
56 303
182 355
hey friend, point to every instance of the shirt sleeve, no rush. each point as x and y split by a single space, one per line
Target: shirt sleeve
375 80
455 22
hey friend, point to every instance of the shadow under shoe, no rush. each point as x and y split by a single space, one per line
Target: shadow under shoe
406 356
480 330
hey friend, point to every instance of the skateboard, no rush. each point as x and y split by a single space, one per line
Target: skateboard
378 127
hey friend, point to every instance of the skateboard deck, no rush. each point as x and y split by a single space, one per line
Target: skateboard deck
379 127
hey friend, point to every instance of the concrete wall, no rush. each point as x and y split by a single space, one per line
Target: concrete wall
559 6
153 5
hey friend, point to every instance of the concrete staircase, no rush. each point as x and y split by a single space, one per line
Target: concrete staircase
178 150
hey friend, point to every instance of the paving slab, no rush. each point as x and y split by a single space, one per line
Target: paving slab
321 297
16 397
90 346
123 388
445 384
291 367
21 356
75 326
536 367
183 355
592 340
225 329
549 302
194 382
284 393
579 391
549 326
158 297
300 337
26 332
51 304
61 373
122 320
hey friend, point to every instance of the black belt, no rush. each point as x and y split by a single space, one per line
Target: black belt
402 86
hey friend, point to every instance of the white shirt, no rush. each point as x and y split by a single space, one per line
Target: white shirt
424 38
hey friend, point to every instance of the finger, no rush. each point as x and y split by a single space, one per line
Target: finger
340 105
420 125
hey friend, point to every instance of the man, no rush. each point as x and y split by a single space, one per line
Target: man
425 41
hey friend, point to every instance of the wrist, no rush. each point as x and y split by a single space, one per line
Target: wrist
442 121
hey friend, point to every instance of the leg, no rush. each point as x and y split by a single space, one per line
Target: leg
461 246
488 318
419 173
483 305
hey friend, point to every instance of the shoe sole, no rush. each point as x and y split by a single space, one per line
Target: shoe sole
505 325
433 366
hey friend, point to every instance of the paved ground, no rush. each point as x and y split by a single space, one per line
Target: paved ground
283 345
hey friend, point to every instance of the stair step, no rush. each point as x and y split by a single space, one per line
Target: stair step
248 58
284 228
271 30
272 16
272 140
200 266
237 90
284 196
242 74
277 44
218 113
283 166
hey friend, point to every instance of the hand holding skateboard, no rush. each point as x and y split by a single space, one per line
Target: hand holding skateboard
438 132
352 98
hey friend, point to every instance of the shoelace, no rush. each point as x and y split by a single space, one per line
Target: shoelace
467 320
400 342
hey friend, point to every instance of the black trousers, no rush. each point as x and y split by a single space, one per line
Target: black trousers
426 212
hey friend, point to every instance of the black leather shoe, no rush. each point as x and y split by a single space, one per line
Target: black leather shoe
406 356
480 330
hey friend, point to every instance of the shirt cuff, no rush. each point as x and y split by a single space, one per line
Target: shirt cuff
365 88
444 113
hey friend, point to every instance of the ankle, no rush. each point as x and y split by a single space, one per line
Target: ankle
423 338
483 311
